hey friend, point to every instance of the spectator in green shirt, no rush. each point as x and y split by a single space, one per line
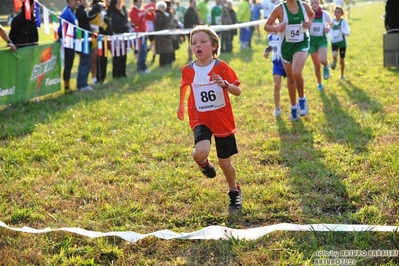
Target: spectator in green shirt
244 15
216 13
204 12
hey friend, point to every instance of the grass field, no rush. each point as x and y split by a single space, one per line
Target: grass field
118 159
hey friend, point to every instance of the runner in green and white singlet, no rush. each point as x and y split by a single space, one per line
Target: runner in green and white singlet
318 42
339 30
296 38
295 19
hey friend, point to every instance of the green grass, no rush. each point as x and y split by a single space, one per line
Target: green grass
119 159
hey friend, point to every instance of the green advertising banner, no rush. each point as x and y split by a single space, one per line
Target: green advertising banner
30 72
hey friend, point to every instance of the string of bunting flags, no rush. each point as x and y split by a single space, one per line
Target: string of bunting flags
118 43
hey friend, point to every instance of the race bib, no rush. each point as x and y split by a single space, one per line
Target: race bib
337 36
218 20
316 29
293 33
208 97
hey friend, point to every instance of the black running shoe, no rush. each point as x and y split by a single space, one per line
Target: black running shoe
235 200
209 171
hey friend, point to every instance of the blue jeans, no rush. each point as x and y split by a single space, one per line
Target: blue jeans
141 62
83 70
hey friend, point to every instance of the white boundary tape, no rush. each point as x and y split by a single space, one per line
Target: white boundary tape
216 232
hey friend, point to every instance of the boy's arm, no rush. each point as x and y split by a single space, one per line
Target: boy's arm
180 109
230 87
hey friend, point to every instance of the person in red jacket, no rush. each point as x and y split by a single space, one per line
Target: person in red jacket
138 17
150 26
211 80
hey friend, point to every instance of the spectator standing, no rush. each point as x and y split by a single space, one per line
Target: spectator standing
138 18
163 43
150 27
104 30
119 25
68 20
5 37
204 12
53 8
233 17
255 11
95 28
244 15
85 60
216 13
180 10
23 31
173 24
10 17
268 6
226 43
392 15
190 21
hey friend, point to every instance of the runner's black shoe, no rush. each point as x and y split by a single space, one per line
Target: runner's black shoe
235 199
209 171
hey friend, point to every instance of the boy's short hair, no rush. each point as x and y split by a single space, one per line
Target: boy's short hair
212 35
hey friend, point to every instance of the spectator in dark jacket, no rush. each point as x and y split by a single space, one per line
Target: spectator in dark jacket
233 17
392 15
84 18
226 44
118 23
190 21
163 43
23 31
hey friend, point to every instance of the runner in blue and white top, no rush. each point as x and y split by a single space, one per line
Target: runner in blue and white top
278 68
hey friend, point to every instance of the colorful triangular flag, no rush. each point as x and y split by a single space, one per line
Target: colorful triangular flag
46 21
55 25
86 42
27 9
68 38
78 41
37 15
105 45
17 5
100 45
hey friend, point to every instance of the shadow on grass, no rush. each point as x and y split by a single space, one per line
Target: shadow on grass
21 119
342 128
362 100
319 187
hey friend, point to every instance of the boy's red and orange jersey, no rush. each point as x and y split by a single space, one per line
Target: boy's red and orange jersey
221 121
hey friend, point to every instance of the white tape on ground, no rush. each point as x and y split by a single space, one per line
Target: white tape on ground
216 232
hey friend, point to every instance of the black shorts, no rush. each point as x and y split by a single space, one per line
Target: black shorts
225 147
342 51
